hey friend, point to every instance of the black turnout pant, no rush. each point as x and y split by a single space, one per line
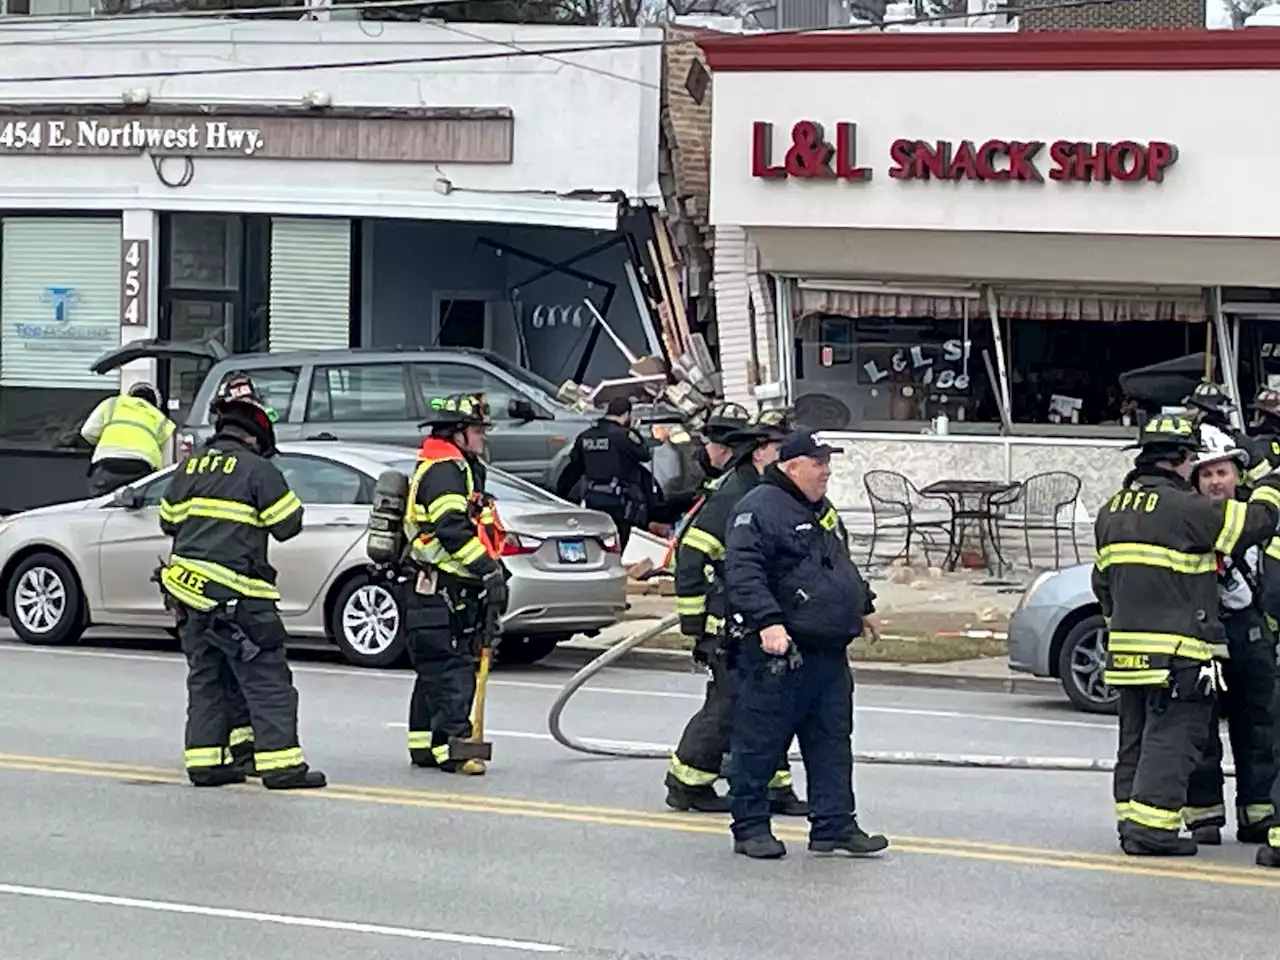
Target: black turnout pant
242 647
107 476
442 638
1163 731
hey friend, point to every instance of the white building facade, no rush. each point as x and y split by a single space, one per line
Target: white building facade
195 178
946 247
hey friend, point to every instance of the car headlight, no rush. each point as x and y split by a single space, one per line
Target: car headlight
1036 584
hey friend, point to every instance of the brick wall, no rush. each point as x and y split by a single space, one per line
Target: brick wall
1114 15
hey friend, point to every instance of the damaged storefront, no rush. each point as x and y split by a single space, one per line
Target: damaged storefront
962 241
423 205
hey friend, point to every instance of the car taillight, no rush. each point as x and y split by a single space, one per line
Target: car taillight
610 543
186 445
520 546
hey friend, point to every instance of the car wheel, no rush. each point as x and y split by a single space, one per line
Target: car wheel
1081 663
44 601
519 650
367 624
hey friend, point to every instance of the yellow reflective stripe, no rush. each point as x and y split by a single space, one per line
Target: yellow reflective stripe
240 735
419 739
282 509
470 552
1135 678
691 776
1257 472
167 512
829 519
446 503
1154 817
1198 816
441 753
1257 812
1148 554
713 625
245 586
1122 810
781 780
1266 495
1170 644
269 760
703 542
691 606
1232 526
204 757
180 592
1273 837
213 509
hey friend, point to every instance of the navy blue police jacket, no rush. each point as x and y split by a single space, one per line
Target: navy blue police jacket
784 565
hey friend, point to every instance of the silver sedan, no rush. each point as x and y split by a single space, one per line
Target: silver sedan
71 566
1057 630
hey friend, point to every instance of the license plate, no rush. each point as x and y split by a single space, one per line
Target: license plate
572 551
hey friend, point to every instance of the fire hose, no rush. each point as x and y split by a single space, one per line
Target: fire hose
607 748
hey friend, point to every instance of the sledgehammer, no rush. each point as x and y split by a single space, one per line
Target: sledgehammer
474 747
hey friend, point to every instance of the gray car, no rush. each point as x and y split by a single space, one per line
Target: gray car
89 563
376 396
1057 630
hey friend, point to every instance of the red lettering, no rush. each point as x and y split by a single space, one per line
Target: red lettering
1022 160
931 160
762 164
847 153
964 165
1160 157
1060 152
987 160
902 153
1091 161
1126 162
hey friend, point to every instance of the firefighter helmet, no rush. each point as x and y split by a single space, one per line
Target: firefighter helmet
1219 446
1210 397
1168 432
763 427
445 414
238 403
1267 402
723 419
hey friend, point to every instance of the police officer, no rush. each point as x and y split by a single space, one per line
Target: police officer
130 437
1247 674
1155 576
220 507
609 458
789 576
460 589
699 566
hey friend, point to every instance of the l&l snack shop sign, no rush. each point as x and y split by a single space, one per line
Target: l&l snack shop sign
811 155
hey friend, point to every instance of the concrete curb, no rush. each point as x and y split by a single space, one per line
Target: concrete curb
679 661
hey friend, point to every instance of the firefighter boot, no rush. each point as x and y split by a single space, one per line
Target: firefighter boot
219 776
1253 832
1210 835
764 847
300 777
1140 841
464 768
700 799
1268 856
784 801
853 841
242 759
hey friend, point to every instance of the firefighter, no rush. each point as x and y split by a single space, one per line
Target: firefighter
1209 403
687 467
1155 576
1264 445
130 437
1248 676
700 601
608 459
459 584
220 507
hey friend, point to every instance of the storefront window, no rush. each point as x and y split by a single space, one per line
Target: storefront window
59 312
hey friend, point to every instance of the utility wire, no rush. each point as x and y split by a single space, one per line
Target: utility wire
521 52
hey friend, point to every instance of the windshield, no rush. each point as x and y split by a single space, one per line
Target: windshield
527 377
503 486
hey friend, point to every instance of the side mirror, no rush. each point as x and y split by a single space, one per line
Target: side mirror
129 498
522 410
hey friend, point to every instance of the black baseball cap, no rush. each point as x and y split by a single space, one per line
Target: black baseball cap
802 443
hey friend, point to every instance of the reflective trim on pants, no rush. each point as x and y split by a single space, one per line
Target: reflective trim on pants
1154 817
205 757
1200 816
1273 837
270 760
781 780
691 776
1254 813
240 735
419 739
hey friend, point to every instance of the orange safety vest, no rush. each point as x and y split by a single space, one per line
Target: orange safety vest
482 510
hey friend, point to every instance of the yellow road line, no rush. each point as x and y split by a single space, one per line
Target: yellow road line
680 823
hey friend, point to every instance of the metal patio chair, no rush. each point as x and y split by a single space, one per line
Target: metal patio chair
1044 502
898 506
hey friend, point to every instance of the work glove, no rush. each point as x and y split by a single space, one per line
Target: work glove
495 590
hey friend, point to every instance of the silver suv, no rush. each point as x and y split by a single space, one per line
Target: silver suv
379 396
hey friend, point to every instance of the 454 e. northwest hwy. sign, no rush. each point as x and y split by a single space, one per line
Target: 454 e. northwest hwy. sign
810 155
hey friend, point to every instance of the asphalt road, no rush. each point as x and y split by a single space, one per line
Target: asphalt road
107 851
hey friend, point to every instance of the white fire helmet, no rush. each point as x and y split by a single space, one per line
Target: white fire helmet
1217 445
